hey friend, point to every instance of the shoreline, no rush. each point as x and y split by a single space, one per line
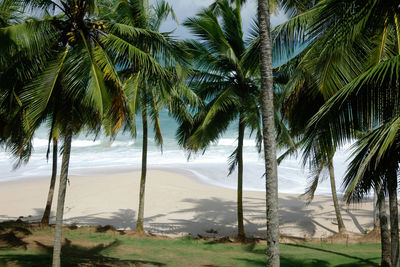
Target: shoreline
176 204
193 173
111 170
207 168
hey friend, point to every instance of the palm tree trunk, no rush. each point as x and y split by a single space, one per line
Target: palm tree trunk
61 200
46 215
271 174
339 219
376 209
385 238
394 216
139 223
241 233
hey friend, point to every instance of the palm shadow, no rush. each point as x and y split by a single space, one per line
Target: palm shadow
291 261
121 219
12 234
286 262
11 240
360 261
74 255
355 221
210 218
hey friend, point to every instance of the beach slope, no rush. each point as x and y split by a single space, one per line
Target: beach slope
176 204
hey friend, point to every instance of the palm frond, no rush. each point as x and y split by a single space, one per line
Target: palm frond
38 93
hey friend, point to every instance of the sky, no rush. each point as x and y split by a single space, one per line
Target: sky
189 8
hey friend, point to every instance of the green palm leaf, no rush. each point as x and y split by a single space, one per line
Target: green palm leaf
38 93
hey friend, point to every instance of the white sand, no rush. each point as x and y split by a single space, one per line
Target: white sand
176 204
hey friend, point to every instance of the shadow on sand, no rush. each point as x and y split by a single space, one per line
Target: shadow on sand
216 217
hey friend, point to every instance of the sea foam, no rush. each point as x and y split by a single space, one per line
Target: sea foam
210 167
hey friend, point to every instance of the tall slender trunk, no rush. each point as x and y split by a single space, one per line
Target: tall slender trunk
61 200
339 219
139 223
241 233
383 222
271 174
394 216
376 208
46 215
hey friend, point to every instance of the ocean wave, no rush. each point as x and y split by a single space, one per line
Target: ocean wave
122 143
233 142
39 143
210 167
85 143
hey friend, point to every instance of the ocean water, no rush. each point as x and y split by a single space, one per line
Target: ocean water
91 156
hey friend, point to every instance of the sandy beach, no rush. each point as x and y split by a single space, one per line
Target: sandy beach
176 204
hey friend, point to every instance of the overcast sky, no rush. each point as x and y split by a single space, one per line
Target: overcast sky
189 8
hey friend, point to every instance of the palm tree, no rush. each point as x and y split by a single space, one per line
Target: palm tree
145 93
73 67
267 86
368 100
299 105
13 75
318 152
11 12
228 90
271 173
365 173
320 72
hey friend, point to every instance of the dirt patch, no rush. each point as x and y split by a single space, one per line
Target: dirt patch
338 238
105 229
72 227
373 236
23 231
285 239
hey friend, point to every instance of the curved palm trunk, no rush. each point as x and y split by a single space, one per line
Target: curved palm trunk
394 216
46 215
241 233
271 173
339 219
61 200
139 223
383 222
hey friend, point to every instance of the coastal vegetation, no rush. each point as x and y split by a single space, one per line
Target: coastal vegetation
92 66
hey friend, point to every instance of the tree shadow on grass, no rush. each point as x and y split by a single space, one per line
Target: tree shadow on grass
361 261
292 262
74 255
12 234
11 240
287 262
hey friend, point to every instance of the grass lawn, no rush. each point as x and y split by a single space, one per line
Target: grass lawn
86 247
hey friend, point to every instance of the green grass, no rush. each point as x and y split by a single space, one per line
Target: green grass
88 248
